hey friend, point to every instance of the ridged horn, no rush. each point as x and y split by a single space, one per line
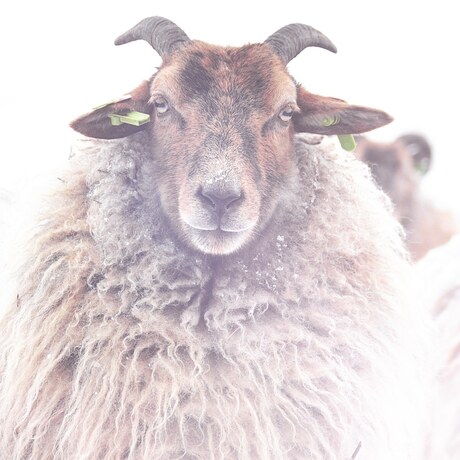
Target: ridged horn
162 34
290 40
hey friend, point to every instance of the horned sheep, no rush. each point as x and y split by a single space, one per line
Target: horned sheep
215 284
399 168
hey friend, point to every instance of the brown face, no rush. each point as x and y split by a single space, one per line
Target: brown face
221 134
392 166
223 142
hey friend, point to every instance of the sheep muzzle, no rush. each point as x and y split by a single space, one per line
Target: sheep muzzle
220 213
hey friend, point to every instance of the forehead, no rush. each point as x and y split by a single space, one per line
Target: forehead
252 74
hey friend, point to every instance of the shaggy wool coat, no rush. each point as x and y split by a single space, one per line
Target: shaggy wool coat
123 343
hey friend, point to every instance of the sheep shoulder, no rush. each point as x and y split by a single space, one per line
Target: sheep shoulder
126 343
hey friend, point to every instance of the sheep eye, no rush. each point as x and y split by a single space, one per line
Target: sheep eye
286 114
161 105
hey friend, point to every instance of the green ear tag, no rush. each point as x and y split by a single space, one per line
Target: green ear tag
131 118
347 141
329 121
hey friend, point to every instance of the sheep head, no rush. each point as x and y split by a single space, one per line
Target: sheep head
222 128
398 167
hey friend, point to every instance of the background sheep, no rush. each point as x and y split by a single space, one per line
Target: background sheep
398 168
437 289
214 286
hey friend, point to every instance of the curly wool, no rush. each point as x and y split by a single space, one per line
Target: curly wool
126 344
438 290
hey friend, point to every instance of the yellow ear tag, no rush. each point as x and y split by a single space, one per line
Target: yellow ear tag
347 141
131 118
329 121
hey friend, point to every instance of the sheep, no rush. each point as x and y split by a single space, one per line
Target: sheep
218 282
398 168
438 290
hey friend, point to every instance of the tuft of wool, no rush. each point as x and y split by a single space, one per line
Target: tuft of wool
124 343
437 289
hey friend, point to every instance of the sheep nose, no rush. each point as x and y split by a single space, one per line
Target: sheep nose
221 199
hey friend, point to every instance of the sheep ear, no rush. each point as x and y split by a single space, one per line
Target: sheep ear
327 115
420 150
100 125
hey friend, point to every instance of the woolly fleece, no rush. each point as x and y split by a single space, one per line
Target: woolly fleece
125 344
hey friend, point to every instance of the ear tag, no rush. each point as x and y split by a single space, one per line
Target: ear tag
422 167
131 118
347 141
329 121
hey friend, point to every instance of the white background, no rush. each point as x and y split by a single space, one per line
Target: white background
58 60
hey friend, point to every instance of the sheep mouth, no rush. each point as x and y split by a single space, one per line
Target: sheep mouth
217 233
219 241
221 229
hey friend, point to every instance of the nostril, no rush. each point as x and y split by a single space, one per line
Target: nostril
205 198
232 201
221 199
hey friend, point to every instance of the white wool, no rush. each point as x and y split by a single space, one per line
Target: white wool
437 289
124 343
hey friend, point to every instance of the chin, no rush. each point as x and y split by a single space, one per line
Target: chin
218 242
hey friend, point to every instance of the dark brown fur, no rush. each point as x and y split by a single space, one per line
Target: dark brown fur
223 149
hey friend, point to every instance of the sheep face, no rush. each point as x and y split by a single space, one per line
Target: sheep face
397 168
222 141
222 133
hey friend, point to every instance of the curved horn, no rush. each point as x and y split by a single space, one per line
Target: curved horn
290 40
162 34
